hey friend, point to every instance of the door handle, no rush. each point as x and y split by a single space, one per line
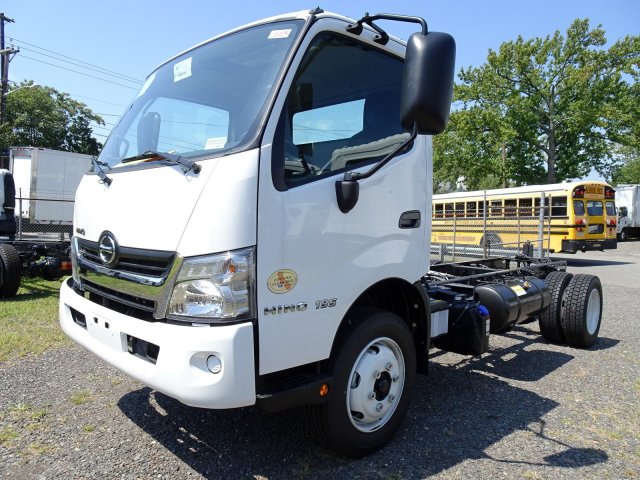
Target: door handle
410 219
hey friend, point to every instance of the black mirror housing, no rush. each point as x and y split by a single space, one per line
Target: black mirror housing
427 82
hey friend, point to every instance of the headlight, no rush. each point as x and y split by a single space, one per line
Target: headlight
215 287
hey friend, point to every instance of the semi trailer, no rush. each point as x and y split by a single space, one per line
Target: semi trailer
256 231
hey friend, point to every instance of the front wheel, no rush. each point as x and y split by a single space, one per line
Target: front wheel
374 372
622 236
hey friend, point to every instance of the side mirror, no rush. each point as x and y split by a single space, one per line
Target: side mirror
427 82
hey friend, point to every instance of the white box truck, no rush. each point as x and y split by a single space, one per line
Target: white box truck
46 180
256 231
628 205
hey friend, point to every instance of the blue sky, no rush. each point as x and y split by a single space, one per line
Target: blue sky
132 37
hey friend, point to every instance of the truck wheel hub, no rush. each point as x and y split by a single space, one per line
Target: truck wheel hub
375 384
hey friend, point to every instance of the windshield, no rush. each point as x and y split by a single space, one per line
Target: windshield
205 102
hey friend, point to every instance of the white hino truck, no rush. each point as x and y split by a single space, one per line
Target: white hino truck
256 231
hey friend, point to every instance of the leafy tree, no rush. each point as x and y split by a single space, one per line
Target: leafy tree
629 171
44 117
543 110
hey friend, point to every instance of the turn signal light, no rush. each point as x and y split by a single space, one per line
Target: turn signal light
324 390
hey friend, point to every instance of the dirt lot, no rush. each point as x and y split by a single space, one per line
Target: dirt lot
551 412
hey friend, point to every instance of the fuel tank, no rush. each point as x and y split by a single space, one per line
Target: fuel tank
513 301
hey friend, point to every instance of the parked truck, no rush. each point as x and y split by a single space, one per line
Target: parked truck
256 231
36 220
46 181
628 205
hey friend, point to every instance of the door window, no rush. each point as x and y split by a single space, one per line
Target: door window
342 111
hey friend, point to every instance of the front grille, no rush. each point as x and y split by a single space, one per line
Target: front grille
119 297
151 263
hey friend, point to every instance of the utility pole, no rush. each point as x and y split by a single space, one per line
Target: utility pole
4 67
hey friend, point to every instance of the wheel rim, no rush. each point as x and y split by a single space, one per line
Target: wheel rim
593 311
375 384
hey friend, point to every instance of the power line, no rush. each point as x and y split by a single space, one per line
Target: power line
77 60
100 71
98 100
80 73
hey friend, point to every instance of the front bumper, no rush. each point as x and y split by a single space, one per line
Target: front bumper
180 370
573 246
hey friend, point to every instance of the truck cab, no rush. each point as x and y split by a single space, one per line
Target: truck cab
214 251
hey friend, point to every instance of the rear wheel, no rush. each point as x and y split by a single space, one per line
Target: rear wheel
374 372
582 310
551 319
11 271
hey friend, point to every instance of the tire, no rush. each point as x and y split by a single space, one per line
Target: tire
623 236
11 269
550 320
374 372
582 310
493 241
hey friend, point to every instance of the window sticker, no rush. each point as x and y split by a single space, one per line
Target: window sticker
215 142
182 70
280 33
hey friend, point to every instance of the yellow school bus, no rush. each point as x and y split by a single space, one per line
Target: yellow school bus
575 217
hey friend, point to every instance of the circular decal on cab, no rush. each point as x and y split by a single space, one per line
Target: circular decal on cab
282 281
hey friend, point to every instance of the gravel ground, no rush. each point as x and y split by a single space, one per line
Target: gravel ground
552 412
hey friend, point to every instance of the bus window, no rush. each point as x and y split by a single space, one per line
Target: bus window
578 207
448 209
525 207
496 208
536 207
558 206
460 209
438 210
594 208
510 207
611 208
471 209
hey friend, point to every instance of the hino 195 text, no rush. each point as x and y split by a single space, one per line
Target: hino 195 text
256 231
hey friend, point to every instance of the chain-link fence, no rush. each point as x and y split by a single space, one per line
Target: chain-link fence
490 228
43 217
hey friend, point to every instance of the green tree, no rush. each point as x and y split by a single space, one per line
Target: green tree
629 171
543 110
44 117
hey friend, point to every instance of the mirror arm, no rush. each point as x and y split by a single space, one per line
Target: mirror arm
354 176
383 37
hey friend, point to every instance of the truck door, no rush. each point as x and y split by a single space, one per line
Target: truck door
338 110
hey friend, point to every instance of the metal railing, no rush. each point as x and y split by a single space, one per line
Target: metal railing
492 232
43 217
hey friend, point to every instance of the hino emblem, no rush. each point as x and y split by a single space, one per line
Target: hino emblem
294 307
108 249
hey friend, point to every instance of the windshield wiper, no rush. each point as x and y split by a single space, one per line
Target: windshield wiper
186 164
97 167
